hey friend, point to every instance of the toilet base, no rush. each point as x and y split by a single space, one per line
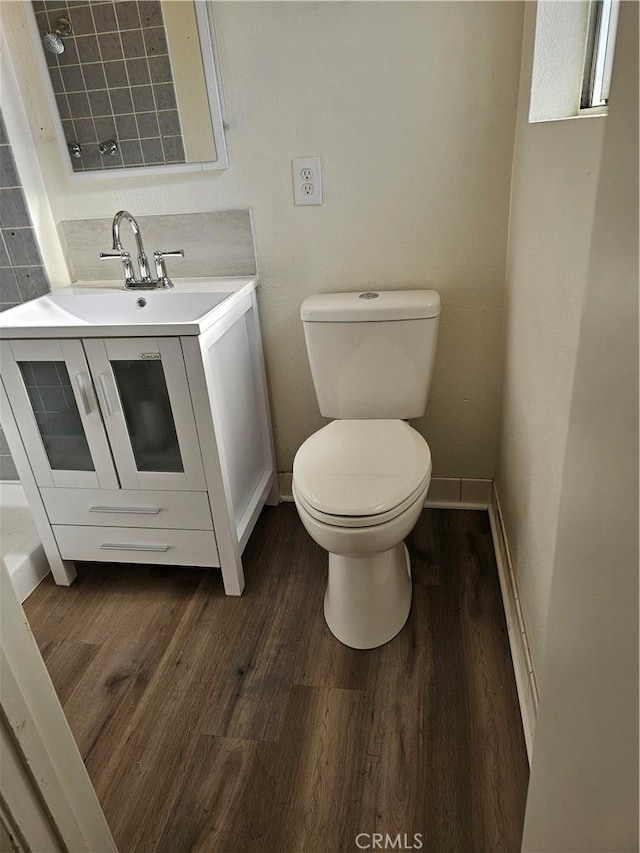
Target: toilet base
368 598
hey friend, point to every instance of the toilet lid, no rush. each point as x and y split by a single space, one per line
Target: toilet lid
361 467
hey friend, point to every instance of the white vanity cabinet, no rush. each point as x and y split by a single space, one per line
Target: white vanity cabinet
154 448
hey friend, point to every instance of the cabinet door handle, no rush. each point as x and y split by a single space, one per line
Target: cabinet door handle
122 546
140 510
103 379
82 393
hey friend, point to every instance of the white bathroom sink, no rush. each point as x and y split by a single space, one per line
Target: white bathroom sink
138 307
98 311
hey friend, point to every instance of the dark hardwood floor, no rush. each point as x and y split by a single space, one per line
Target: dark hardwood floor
240 724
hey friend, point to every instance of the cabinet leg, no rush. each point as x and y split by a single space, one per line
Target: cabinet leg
68 573
63 571
232 576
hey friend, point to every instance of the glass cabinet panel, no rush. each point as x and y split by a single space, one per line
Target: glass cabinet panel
147 411
56 412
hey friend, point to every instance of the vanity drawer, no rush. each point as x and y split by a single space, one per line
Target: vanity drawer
133 507
136 545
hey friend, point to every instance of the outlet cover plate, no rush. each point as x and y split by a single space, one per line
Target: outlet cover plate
307 180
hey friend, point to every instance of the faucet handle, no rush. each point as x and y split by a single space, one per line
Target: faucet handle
125 257
161 270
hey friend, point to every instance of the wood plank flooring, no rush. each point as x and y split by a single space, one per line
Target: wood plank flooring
220 725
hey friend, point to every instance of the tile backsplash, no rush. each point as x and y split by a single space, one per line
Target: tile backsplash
217 243
114 82
22 273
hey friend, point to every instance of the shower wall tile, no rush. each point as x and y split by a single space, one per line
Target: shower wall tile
8 174
115 53
22 274
9 292
21 245
4 255
8 468
32 282
13 207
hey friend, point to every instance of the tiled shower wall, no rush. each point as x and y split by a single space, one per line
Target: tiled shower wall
22 274
114 82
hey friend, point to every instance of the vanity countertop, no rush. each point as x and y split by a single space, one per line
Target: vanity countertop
105 309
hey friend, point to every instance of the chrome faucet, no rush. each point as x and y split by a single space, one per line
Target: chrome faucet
117 243
145 282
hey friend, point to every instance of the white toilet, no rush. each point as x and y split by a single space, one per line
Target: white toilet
360 482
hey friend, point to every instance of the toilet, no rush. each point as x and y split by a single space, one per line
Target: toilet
359 483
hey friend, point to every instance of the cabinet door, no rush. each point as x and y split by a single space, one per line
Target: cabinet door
145 401
49 387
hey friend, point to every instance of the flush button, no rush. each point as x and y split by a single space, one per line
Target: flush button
368 295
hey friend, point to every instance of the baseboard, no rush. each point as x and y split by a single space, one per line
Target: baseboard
27 567
444 492
518 641
24 556
285 480
458 493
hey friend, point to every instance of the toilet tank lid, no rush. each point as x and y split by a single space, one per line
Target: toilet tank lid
370 306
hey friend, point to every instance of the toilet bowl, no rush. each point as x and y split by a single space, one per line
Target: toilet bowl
359 487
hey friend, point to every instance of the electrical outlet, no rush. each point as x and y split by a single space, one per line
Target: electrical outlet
307 180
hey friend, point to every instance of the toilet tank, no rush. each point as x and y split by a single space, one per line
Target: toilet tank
372 354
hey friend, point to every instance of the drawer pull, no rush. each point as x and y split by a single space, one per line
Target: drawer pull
118 546
140 510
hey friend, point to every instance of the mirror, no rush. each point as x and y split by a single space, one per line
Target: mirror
133 83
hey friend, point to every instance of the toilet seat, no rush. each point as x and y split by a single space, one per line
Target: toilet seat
361 473
362 521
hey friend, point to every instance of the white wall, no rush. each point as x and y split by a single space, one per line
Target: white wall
553 196
583 794
412 108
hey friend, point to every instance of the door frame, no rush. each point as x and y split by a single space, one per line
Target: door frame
55 796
